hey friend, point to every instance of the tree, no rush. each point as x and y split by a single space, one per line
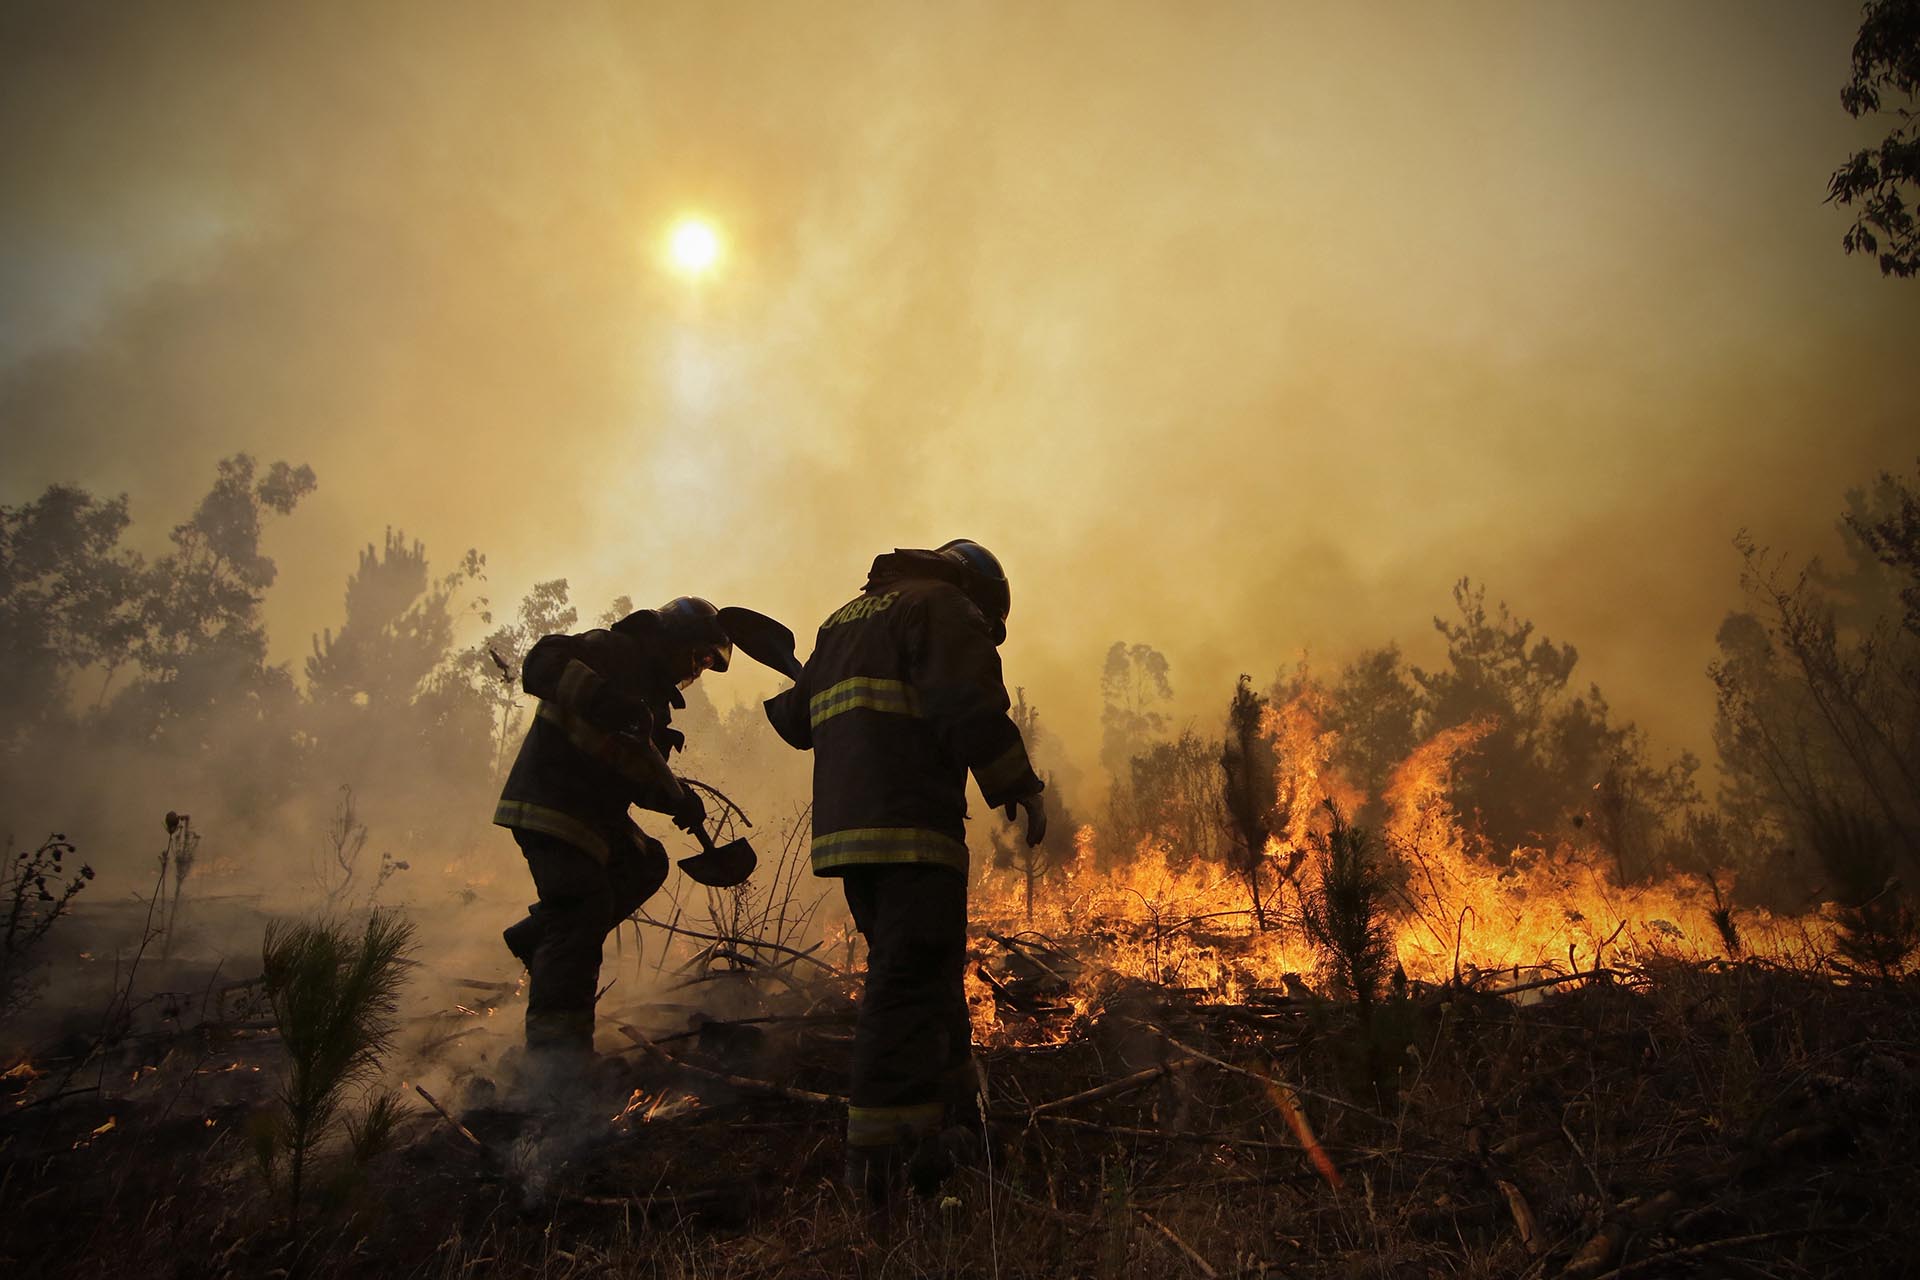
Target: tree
202 606
1248 789
69 600
1819 681
622 606
398 628
1551 753
1878 181
1374 707
1134 689
492 667
1497 670
1175 788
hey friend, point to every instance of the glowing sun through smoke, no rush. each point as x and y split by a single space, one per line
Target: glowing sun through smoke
694 247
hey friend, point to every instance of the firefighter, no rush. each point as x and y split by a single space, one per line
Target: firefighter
900 700
598 743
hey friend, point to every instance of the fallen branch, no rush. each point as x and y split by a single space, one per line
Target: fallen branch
1125 1084
448 1116
1224 1065
1186 1250
1554 981
1282 1095
741 1083
1523 1219
1726 1242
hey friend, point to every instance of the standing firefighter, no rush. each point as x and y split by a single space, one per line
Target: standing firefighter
901 698
599 743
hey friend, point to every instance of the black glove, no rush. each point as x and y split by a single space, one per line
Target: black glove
692 811
1036 811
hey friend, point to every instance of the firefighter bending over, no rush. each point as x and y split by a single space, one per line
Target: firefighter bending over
901 698
597 744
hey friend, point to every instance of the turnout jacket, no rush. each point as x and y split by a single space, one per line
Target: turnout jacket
597 743
901 698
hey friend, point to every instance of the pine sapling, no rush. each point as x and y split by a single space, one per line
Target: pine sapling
334 996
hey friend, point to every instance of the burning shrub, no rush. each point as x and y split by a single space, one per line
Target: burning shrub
333 996
1878 926
1345 911
1248 765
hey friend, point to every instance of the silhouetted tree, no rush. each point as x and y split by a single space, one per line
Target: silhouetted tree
1882 181
493 666
1248 790
1537 772
1134 690
1819 683
1879 927
398 628
1375 708
1175 792
202 692
69 601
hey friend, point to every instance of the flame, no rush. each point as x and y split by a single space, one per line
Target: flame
1458 908
643 1108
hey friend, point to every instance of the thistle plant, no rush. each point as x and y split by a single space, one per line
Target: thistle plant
334 996
39 890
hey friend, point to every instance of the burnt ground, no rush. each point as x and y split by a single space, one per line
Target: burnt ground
1737 1119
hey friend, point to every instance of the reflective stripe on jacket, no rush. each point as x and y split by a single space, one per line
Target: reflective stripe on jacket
901 697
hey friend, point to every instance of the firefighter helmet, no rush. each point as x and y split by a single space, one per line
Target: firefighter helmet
984 581
692 626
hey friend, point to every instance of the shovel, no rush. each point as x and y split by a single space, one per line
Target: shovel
720 866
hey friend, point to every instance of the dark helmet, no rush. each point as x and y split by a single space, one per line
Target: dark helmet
984 581
692 626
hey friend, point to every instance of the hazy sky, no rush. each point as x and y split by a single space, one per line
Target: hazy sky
1235 329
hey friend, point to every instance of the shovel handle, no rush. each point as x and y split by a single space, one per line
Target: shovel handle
706 841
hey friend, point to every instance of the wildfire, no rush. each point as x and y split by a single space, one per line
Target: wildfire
1455 909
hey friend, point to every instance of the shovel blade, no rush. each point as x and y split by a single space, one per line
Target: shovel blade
723 867
766 641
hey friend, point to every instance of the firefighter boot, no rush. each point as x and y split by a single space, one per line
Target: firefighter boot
939 1155
874 1175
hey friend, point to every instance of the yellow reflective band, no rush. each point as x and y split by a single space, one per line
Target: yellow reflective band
871 693
1004 771
872 846
551 822
883 1126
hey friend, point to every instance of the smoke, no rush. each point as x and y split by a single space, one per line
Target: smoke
1238 332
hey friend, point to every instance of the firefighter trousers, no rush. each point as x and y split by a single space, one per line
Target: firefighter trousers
913 1041
560 940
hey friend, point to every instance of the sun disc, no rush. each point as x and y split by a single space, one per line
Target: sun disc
693 247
